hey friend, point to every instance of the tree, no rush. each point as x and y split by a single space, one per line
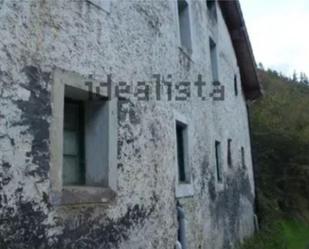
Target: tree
295 77
304 78
260 66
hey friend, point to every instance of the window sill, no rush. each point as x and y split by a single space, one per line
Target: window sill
184 190
72 195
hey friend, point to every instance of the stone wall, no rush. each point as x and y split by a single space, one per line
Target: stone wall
132 41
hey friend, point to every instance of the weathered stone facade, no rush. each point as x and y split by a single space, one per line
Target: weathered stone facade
132 41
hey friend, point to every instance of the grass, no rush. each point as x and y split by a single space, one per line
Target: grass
296 234
286 234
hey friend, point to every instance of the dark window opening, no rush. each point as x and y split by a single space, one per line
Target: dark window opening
213 59
73 143
229 152
184 24
243 159
181 150
210 3
235 85
212 12
218 161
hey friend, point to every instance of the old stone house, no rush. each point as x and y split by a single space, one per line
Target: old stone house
123 124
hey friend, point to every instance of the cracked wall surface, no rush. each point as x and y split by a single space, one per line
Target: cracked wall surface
133 41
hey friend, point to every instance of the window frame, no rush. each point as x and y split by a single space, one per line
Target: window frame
187 50
60 194
183 189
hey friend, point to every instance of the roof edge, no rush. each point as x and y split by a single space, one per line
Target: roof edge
235 22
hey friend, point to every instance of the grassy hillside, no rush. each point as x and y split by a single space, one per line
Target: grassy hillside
280 138
283 234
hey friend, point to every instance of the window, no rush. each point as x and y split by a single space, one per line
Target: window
218 162
229 152
235 85
213 60
83 142
73 171
212 11
210 4
243 159
181 132
184 186
184 25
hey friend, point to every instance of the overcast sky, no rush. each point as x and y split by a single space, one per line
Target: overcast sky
279 33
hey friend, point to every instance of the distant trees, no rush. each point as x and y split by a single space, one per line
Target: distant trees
296 77
280 136
260 66
304 79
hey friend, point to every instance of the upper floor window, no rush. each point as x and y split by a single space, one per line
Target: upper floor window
235 85
213 59
184 25
219 165
212 11
229 152
243 158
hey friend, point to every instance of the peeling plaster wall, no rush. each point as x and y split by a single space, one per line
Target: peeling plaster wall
132 42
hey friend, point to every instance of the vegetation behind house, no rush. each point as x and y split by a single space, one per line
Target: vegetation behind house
280 139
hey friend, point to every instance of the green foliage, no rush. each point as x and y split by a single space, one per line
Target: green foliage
280 131
296 234
280 140
284 234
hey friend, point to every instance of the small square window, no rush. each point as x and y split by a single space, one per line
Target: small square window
219 161
229 153
184 25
